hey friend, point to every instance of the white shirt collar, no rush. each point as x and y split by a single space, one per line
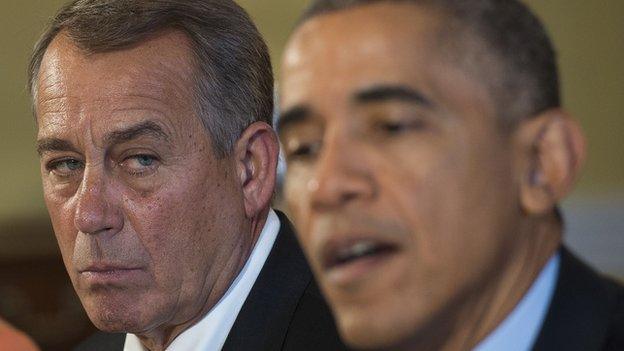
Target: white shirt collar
211 332
519 331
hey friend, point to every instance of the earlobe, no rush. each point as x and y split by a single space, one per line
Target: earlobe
256 155
553 147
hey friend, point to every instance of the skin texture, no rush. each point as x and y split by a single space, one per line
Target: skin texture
12 339
388 141
151 225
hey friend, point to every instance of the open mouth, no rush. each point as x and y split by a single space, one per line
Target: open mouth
358 251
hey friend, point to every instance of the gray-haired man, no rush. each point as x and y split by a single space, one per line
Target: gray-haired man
158 165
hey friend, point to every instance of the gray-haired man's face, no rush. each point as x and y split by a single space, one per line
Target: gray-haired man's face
147 219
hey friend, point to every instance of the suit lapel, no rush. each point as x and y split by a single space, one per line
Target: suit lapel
579 314
264 319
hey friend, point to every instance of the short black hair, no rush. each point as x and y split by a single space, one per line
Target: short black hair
526 81
232 74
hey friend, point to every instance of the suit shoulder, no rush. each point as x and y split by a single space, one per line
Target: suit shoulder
313 326
103 342
615 339
585 312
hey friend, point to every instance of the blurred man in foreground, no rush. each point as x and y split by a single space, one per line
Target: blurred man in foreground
158 165
427 153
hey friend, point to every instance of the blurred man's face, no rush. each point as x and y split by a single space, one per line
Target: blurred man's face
149 222
399 180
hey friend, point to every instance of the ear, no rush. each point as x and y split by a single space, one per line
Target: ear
552 147
256 153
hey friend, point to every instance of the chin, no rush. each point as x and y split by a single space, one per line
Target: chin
110 323
112 317
370 330
113 322
113 326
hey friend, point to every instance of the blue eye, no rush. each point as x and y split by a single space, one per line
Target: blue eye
145 160
73 164
65 167
140 164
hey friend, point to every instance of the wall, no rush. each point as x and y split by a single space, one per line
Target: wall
589 36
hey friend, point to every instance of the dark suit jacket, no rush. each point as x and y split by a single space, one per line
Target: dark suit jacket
586 313
284 309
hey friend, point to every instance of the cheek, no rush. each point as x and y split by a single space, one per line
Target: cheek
459 201
180 225
61 212
164 222
413 182
425 190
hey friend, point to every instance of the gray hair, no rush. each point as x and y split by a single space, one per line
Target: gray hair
512 53
233 77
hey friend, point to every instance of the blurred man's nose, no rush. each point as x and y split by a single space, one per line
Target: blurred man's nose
342 175
96 208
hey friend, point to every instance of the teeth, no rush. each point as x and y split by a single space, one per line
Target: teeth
359 249
362 248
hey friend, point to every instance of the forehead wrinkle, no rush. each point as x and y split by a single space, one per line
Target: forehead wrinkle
160 69
173 66
50 73
49 82
155 75
52 120
146 128
53 105
158 83
49 90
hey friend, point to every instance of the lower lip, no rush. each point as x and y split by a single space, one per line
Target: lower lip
110 277
348 274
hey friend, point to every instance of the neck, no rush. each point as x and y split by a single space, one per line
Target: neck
257 224
477 314
160 338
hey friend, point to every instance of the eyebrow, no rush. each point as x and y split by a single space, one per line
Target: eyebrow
54 144
148 128
294 115
381 93
377 93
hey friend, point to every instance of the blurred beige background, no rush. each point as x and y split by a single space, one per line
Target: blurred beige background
589 36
